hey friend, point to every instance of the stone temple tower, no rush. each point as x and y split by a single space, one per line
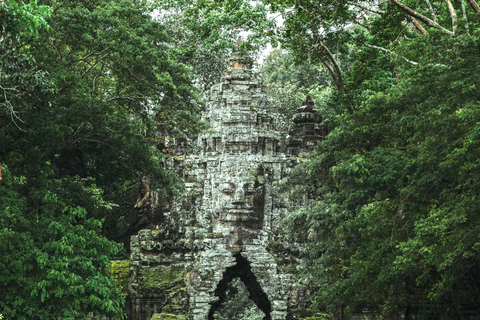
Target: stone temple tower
224 225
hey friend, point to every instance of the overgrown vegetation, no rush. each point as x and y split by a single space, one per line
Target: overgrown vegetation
393 221
83 86
394 217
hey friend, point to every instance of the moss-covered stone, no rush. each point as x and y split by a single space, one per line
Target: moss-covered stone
320 317
120 271
168 316
230 208
261 179
310 315
176 308
161 277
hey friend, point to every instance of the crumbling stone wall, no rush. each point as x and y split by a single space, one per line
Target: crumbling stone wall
222 226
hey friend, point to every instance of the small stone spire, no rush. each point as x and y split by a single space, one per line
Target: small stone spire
307 129
307 112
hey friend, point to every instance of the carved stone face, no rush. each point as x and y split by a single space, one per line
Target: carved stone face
241 202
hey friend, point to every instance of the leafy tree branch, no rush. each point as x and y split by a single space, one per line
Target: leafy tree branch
473 4
419 16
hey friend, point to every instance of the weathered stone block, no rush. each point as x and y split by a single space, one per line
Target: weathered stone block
222 227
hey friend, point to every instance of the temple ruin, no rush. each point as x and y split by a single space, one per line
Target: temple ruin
219 234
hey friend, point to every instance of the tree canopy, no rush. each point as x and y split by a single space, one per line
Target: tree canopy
392 223
84 86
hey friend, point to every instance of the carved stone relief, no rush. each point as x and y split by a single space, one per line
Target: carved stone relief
220 228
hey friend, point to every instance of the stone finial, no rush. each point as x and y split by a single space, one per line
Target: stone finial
307 129
307 112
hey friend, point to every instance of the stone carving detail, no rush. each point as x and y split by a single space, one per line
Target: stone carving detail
222 226
307 130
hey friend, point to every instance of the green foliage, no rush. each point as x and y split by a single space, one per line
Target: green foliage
320 316
19 74
206 32
124 58
288 83
167 316
394 221
80 106
53 253
120 272
19 17
162 277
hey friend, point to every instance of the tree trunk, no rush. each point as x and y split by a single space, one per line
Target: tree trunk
418 26
453 14
335 72
474 5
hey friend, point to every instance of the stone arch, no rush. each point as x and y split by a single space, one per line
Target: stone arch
242 270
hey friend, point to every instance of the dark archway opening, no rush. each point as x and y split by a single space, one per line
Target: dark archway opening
243 271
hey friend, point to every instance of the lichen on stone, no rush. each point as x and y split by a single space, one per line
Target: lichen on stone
161 277
166 316
230 212
120 271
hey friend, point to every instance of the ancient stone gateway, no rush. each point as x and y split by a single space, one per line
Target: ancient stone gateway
223 227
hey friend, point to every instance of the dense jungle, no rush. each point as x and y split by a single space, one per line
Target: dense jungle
393 218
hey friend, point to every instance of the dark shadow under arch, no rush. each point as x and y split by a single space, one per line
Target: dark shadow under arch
243 271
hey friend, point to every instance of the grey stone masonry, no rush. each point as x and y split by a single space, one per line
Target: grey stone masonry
223 225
